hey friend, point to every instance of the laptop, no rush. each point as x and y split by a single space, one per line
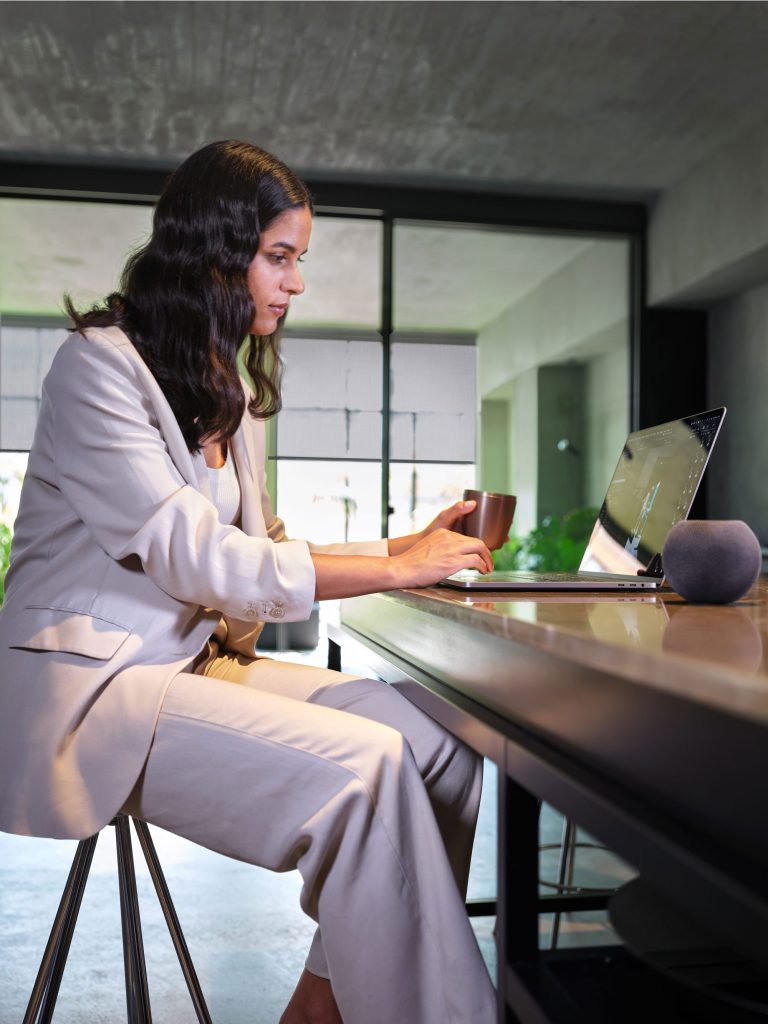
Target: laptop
659 472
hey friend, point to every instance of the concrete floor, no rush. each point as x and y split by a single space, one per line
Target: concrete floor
244 927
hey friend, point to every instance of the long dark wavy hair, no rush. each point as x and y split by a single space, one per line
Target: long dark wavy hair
184 299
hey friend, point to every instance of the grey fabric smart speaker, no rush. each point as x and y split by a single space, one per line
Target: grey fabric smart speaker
714 561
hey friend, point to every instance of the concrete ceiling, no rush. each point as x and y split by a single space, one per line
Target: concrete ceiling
596 98
590 99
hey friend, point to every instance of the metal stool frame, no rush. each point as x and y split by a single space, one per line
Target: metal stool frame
46 988
566 863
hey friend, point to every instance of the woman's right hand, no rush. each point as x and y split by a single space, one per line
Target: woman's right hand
427 561
439 554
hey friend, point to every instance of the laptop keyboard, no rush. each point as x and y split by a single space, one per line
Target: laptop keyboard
562 577
543 577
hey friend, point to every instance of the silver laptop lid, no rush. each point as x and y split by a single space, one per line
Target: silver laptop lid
653 488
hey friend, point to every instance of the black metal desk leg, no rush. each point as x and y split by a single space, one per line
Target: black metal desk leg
517 923
334 656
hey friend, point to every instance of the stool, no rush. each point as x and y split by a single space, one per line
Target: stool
564 885
46 988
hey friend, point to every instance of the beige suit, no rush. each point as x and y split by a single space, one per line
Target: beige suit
117 559
109 701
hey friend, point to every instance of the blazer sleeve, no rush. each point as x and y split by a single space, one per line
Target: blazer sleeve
114 468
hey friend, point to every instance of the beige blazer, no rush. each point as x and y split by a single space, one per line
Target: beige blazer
120 571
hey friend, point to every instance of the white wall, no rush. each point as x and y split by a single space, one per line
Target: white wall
737 477
554 321
708 235
580 314
523 468
606 413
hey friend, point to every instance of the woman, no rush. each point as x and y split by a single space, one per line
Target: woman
146 559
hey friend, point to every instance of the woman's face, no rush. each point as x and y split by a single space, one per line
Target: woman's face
273 275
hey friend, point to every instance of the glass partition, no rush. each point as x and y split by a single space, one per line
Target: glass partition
49 248
26 353
342 278
508 361
328 501
332 399
542 408
327 479
326 441
432 402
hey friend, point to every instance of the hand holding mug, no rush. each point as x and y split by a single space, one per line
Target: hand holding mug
491 518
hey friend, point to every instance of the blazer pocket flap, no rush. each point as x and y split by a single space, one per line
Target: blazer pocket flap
74 632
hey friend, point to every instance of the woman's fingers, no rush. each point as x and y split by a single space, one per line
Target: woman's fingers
485 558
458 510
441 554
450 518
476 547
471 550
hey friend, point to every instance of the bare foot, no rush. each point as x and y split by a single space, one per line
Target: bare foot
312 1003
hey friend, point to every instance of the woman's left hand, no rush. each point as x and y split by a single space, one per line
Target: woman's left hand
449 519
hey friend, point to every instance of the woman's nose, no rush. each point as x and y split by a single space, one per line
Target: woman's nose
295 282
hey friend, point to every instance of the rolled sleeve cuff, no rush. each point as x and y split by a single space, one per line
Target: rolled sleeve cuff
293 594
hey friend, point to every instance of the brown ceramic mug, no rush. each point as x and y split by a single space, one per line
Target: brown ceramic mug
491 518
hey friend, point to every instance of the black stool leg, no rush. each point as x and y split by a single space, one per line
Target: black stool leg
564 871
180 945
46 987
136 989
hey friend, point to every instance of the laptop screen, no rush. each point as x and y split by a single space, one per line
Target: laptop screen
653 488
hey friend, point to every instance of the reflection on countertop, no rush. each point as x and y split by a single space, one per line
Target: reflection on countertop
663 624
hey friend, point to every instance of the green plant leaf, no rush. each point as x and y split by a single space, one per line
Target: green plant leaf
556 544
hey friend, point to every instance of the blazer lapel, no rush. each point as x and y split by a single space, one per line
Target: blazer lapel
192 467
189 467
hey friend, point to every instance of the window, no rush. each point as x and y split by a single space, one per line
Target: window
326 443
544 372
26 354
506 365
49 248
332 399
328 501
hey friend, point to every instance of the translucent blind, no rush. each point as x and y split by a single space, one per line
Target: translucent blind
433 404
26 354
329 501
52 247
342 277
331 399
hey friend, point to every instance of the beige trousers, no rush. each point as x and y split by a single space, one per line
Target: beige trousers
288 766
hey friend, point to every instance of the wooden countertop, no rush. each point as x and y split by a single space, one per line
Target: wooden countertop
713 654
656 708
